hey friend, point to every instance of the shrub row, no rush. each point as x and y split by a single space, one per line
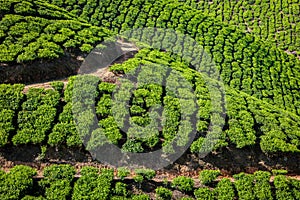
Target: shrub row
58 182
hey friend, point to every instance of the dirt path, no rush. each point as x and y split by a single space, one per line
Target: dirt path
104 74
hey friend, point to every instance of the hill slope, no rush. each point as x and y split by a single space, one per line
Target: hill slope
263 79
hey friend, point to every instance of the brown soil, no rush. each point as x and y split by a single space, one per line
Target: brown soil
229 161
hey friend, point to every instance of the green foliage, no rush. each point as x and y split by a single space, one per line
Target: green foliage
33 125
279 172
138 179
259 18
58 86
68 93
37 116
132 146
262 187
143 174
86 48
163 193
111 129
123 172
243 117
11 96
94 183
16 183
244 185
232 57
224 190
262 84
44 31
43 152
295 184
65 132
148 174
197 145
59 172
118 198
104 106
283 190
57 181
27 197
242 111
241 130
60 189
120 189
91 185
106 87
208 176
6 126
203 194
275 141
141 197
183 183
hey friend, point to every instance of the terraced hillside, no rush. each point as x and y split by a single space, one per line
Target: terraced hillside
171 101
275 21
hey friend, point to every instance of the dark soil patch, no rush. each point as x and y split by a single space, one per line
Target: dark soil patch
40 71
230 160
